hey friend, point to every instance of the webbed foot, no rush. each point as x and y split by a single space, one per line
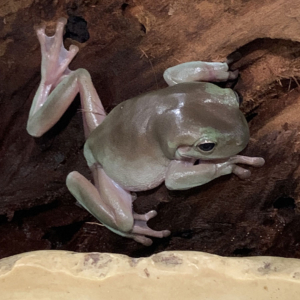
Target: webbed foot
141 229
55 57
230 166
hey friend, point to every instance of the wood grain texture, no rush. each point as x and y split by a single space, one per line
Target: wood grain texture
130 44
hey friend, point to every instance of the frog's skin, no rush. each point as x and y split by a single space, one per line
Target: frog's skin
146 140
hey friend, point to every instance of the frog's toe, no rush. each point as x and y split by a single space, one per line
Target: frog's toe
165 233
60 24
145 217
133 196
141 227
258 162
73 50
241 172
142 239
233 57
40 29
62 20
233 74
40 32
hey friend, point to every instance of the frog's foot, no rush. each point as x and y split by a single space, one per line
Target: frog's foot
145 217
140 232
55 57
140 225
251 161
233 75
199 71
140 229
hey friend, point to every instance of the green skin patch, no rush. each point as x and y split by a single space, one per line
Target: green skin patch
227 96
209 133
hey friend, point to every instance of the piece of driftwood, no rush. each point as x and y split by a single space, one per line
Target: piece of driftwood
126 46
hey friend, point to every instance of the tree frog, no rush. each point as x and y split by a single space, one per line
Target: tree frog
184 135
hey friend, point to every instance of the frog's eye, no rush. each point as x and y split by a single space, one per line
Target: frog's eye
239 97
206 147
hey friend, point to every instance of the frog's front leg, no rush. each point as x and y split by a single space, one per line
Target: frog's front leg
112 206
183 175
199 71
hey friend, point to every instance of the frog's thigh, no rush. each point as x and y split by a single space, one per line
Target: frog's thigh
106 201
61 97
198 71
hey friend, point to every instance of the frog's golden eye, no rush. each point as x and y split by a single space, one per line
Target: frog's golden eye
206 147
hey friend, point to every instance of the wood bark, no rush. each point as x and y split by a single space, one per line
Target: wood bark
126 47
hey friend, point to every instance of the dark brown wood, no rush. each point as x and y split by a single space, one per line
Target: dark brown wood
130 44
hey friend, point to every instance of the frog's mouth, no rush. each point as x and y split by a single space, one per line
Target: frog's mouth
197 161
211 161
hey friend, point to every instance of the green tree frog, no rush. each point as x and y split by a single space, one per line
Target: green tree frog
184 135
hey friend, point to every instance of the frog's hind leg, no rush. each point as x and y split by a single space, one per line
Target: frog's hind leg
199 71
107 201
112 206
59 86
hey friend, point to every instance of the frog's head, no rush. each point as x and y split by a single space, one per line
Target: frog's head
206 128
216 142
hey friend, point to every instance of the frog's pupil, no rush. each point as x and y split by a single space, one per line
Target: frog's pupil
207 146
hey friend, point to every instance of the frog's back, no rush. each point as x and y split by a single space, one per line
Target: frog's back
128 142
